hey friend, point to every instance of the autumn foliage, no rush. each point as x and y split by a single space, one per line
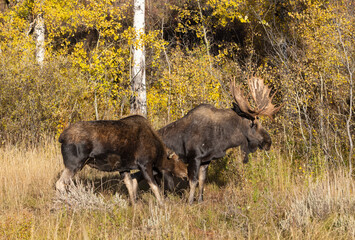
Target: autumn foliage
303 188
303 49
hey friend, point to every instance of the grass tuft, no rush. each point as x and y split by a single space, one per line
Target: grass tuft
330 201
268 198
80 196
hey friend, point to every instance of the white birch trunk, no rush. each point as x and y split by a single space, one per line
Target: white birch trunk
139 98
39 31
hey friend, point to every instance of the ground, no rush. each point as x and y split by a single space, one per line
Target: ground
271 197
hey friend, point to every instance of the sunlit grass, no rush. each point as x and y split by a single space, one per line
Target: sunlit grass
268 198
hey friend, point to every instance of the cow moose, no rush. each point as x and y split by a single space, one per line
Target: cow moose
205 132
121 145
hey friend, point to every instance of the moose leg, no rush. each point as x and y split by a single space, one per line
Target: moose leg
74 160
201 180
193 172
132 191
245 151
168 181
64 179
193 185
135 180
135 187
148 175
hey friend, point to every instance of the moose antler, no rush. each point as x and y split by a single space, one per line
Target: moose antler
261 95
242 106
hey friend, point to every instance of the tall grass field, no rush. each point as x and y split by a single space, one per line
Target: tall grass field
271 197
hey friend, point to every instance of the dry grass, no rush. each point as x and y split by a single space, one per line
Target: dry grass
82 195
265 199
27 175
329 201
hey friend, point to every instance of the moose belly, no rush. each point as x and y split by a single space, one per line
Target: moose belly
107 163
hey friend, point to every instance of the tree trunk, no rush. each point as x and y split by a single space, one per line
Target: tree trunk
139 97
39 31
3 5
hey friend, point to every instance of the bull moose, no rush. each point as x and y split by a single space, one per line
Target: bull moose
205 132
121 145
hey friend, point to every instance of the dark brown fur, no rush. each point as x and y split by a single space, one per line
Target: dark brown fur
205 133
122 145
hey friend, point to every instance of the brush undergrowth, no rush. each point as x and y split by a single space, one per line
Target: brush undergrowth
268 198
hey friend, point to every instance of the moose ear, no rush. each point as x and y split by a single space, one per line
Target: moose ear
237 109
171 154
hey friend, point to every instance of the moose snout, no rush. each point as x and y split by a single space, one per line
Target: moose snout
266 145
